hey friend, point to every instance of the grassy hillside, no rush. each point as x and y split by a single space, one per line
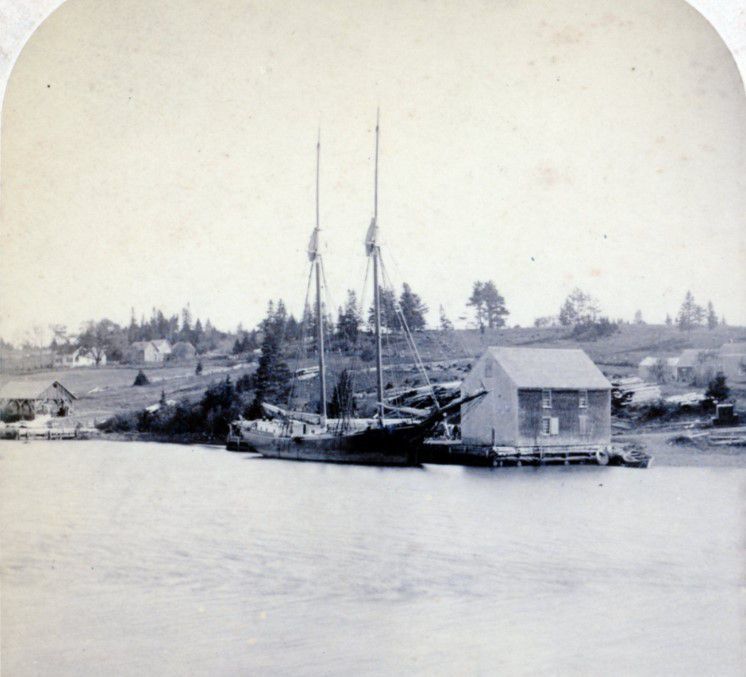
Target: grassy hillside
622 350
104 391
447 355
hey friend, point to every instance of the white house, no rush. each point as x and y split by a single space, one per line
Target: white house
80 357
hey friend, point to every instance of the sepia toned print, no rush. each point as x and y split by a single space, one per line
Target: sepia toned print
372 338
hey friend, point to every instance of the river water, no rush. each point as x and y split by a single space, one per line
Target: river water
153 559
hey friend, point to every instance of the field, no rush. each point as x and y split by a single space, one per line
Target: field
103 391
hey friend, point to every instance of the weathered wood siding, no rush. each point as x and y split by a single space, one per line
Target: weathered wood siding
565 408
55 393
496 411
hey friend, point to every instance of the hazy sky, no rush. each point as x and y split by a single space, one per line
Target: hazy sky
159 152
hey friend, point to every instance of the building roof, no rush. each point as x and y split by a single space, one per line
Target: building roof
549 368
28 390
182 344
161 345
734 348
649 361
693 357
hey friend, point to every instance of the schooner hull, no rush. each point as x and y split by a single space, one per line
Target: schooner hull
368 447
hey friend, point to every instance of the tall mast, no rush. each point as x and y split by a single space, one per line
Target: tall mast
376 252
315 255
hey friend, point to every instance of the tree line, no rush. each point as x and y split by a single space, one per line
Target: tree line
106 337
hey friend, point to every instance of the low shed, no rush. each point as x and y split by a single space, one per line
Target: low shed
538 398
28 398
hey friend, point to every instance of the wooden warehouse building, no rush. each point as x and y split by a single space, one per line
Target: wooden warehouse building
537 398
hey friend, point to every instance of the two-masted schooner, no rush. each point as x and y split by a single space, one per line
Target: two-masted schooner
315 437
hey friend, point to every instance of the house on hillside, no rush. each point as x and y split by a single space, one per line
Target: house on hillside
163 347
141 352
697 364
733 360
657 369
183 351
536 398
28 398
80 357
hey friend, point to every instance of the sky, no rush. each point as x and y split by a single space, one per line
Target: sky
159 153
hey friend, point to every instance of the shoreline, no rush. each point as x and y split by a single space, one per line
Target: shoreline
655 443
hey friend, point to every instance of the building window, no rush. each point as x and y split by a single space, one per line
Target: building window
583 399
583 425
546 399
550 425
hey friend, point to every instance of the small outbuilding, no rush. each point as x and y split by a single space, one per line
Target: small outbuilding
536 398
733 360
697 364
658 369
183 351
29 398
148 351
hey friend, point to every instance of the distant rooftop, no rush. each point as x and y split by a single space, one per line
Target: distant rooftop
692 357
734 348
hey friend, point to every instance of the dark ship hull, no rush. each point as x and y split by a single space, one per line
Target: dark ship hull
388 446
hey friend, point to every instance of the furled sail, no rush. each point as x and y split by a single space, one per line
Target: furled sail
371 238
313 245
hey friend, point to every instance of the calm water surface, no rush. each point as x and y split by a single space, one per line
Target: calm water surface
133 559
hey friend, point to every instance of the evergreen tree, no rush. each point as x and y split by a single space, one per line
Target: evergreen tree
476 301
669 321
494 303
690 314
718 388
132 329
712 318
199 333
343 400
488 304
389 319
348 320
445 323
412 308
272 377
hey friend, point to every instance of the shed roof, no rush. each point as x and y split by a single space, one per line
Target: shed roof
734 348
549 368
28 390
